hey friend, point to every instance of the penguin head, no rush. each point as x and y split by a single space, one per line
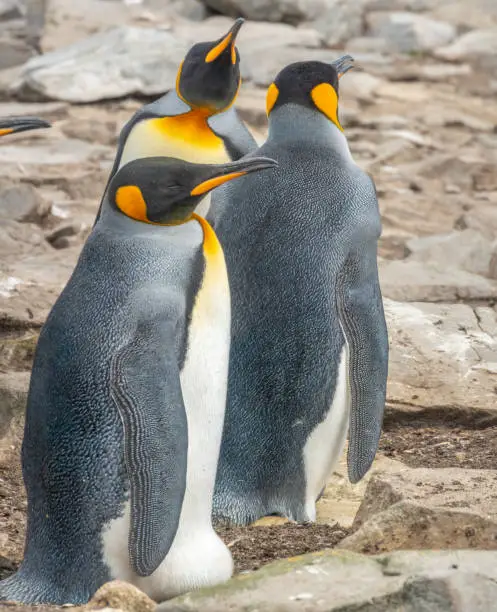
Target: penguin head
11 125
166 191
209 76
310 84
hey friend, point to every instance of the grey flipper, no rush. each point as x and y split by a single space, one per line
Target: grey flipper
169 105
360 309
146 389
231 129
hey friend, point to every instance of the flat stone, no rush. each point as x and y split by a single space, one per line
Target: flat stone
112 64
341 581
471 46
414 281
467 250
22 203
442 358
410 509
35 284
13 51
53 152
9 9
408 32
482 219
286 11
467 16
45 110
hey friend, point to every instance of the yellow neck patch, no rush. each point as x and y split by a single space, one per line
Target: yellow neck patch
130 201
212 246
272 95
326 100
5 131
191 127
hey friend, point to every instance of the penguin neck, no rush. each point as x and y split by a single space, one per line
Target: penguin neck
117 223
293 124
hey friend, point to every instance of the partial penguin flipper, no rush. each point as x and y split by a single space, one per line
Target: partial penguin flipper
360 309
146 389
236 136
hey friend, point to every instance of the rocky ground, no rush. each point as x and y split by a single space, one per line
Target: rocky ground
421 117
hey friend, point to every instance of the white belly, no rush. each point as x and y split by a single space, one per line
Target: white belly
197 556
325 444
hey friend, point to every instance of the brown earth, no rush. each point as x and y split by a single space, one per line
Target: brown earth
416 445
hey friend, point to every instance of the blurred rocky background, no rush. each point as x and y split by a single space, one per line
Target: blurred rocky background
420 115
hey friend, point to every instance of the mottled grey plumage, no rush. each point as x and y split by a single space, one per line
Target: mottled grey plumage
106 439
300 245
123 310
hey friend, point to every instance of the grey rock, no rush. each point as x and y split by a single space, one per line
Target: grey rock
442 357
483 219
336 20
30 286
14 51
9 9
467 15
426 509
35 20
340 21
191 9
474 45
112 64
45 110
428 581
467 250
22 203
408 32
286 11
53 152
412 281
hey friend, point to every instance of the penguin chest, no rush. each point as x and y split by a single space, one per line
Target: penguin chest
187 137
326 441
205 370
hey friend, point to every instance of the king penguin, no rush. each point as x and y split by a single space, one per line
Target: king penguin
309 347
127 397
196 121
13 125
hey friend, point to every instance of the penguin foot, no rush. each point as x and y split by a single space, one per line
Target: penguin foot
26 589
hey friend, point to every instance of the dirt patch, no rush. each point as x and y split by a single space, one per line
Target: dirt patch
434 447
253 547
415 444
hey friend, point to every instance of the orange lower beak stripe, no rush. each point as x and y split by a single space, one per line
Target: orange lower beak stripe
218 49
214 182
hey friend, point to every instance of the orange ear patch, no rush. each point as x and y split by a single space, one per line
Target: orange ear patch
130 201
214 182
6 131
326 100
272 95
218 49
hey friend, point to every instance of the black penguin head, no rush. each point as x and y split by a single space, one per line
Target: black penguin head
166 191
11 125
310 84
209 76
